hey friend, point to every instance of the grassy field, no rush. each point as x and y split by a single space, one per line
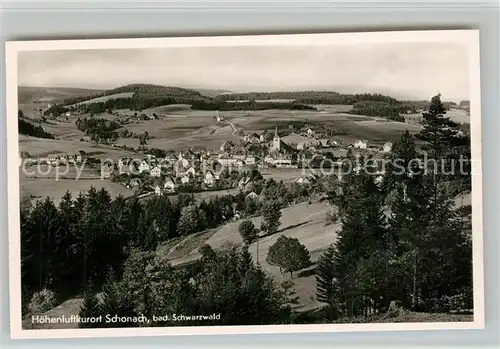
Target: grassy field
302 221
38 95
39 147
55 189
107 98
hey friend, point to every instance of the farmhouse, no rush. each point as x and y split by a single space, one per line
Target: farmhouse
209 179
283 162
387 147
155 172
144 167
227 161
303 180
53 160
250 160
325 143
191 171
252 196
169 185
185 179
361 144
310 133
106 170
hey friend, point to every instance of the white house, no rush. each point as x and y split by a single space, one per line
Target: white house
283 162
361 144
252 196
169 185
303 180
158 191
387 147
106 170
155 171
250 160
310 132
209 179
191 171
227 161
185 179
325 143
144 166
53 160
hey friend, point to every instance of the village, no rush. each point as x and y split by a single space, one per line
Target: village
198 169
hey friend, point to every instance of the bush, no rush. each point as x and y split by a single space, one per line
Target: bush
42 301
458 303
331 217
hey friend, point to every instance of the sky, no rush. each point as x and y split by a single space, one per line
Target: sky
403 70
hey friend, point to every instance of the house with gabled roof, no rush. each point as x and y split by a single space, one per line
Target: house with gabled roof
144 167
169 185
209 179
155 171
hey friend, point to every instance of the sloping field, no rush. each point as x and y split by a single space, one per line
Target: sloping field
28 94
43 147
303 221
167 110
39 188
107 98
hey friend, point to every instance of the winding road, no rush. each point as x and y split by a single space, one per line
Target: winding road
234 129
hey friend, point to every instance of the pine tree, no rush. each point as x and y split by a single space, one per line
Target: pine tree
271 215
326 284
363 233
247 231
439 132
89 308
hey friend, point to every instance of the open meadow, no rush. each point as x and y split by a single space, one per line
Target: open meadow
304 221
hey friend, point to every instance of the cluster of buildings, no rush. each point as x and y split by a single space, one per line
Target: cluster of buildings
59 159
202 167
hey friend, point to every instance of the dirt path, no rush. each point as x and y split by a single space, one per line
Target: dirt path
234 129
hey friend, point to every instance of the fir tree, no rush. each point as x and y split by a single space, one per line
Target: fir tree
89 308
271 216
326 284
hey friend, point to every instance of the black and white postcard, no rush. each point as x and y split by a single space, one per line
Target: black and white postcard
245 184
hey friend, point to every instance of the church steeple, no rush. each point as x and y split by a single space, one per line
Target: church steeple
276 140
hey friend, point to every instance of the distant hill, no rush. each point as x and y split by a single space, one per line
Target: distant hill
32 94
309 97
145 92
212 92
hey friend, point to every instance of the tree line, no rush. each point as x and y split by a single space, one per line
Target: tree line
67 246
143 92
382 109
99 130
310 97
27 128
250 105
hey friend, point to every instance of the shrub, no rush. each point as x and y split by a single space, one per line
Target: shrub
42 301
331 217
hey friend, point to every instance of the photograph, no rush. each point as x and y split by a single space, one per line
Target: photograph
245 184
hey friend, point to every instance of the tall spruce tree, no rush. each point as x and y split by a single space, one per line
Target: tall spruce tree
363 233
